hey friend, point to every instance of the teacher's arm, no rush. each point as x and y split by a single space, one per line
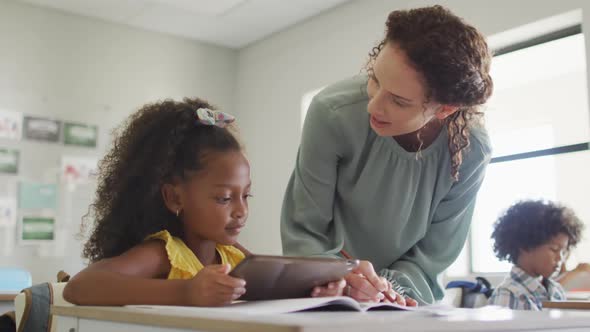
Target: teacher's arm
307 226
306 216
416 272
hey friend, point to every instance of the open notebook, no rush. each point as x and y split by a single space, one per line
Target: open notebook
339 303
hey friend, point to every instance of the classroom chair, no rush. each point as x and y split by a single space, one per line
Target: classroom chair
468 294
32 306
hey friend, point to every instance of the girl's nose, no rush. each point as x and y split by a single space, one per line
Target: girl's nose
240 210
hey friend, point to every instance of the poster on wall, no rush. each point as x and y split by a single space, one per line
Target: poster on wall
37 196
36 229
11 124
80 135
78 170
7 212
41 129
9 161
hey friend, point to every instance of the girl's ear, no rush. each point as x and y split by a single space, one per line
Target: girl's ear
445 110
172 197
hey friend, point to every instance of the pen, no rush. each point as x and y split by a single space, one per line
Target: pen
386 294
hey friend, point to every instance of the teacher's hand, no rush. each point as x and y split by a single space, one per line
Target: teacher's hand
395 297
364 285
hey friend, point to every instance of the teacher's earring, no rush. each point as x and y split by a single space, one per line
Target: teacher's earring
177 213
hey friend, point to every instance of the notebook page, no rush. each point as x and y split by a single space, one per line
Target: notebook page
264 307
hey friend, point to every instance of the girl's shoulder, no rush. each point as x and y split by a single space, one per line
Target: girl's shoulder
184 264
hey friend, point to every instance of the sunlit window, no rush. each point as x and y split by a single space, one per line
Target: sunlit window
539 127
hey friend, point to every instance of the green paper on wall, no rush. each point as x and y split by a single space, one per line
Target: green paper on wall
81 135
38 228
9 161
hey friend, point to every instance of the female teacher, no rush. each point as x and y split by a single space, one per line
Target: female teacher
390 163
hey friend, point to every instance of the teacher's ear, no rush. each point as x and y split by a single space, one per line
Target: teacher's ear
445 110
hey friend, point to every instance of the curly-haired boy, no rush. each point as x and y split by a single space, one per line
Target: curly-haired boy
534 236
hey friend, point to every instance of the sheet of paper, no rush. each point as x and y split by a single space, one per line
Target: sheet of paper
37 196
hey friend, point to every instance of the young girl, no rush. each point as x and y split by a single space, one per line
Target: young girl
172 199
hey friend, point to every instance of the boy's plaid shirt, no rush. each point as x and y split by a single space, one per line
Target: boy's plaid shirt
522 292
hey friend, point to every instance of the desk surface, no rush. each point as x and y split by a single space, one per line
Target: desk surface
7 297
584 305
483 319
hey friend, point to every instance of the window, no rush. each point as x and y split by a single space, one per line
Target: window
539 125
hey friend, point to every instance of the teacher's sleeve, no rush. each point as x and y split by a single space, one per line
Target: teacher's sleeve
307 227
416 272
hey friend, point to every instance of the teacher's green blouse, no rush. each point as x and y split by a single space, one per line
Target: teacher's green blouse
355 190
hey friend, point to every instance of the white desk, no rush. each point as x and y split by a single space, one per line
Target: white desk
119 319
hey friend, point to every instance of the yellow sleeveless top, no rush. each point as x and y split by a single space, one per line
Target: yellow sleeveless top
184 264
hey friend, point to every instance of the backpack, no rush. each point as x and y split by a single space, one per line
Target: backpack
472 294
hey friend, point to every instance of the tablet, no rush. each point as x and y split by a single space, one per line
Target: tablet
282 277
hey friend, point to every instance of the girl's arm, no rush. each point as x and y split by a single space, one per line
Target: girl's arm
135 277
138 277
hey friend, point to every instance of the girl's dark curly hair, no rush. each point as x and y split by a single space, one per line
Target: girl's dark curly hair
453 58
156 145
529 224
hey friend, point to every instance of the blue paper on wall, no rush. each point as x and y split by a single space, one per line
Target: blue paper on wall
33 196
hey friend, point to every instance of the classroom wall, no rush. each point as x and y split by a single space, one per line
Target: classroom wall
58 65
273 75
81 69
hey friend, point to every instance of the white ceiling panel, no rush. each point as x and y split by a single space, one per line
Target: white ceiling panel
203 7
231 23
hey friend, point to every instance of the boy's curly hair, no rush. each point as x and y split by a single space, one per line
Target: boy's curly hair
156 145
529 224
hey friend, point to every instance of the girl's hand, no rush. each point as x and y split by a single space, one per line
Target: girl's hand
213 287
334 288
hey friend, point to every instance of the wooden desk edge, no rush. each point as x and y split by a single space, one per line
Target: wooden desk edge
126 315
7 297
566 305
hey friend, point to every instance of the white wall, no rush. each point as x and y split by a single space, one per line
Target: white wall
85 70
273 75
75 68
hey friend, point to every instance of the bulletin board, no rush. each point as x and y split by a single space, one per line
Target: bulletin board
47 181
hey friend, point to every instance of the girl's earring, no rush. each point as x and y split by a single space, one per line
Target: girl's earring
177 213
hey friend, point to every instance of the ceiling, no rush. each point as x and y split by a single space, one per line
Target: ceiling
230 23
